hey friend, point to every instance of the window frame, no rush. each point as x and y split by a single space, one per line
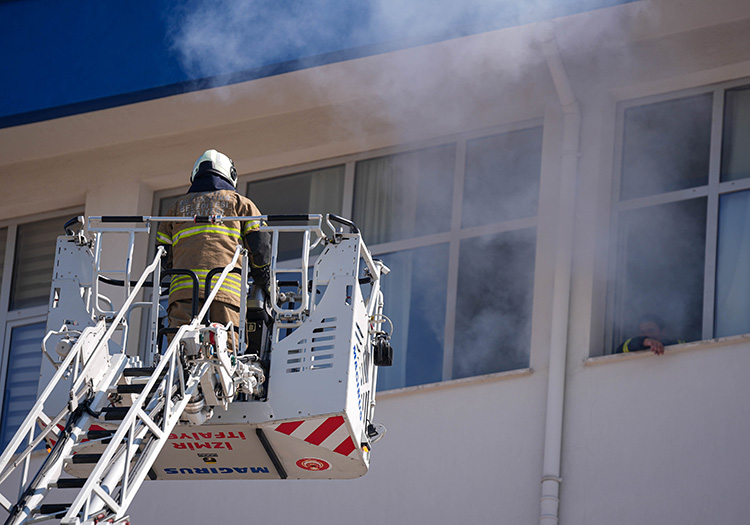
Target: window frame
712 191
7 337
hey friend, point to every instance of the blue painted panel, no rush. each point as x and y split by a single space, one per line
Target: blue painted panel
61 58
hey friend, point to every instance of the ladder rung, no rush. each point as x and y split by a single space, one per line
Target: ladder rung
54 508
86 458
141 372
115 413
99 434
71 483
130 389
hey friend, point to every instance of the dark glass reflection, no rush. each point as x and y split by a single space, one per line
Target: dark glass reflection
493 310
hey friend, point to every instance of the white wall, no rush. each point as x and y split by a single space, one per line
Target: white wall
659 439
647 440
462 454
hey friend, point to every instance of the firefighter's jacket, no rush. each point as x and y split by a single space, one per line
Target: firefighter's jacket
635 344
201 247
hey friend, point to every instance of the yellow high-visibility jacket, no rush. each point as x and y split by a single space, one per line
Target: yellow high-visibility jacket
200 247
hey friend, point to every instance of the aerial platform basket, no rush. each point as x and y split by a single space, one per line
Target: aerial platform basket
294 399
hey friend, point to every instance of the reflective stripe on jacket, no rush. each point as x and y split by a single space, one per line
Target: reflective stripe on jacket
232 284
635 344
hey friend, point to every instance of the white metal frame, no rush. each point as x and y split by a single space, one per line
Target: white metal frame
95 368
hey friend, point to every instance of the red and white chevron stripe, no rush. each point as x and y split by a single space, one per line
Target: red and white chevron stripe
330 433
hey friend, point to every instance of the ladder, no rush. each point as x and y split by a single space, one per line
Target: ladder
127 439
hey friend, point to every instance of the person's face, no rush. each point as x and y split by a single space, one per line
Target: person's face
650 329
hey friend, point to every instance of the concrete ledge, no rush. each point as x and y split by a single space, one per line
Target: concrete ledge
669 350
488 378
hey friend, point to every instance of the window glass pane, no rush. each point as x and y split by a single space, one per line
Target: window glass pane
666 146
318 191
732 312
34 259
493 308
3 242
166 203
502 177
660 269
22 380
405 195
415 295
735 155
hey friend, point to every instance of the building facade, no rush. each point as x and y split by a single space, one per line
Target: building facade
535 190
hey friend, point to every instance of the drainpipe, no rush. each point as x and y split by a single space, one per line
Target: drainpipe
551 479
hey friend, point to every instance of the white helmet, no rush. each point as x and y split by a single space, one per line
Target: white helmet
217 163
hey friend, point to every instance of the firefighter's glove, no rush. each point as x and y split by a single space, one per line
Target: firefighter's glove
166 260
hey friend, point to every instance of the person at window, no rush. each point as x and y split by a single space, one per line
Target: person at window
201 247
651 336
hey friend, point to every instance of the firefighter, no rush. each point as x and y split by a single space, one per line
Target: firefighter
201 247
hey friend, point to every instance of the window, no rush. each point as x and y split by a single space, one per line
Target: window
456 221
735 163
27 253
405 195
316 191
662 266
502 177
32 267
682 216
666 147
494 299
3 242
461 291
733 265
415 296
24 362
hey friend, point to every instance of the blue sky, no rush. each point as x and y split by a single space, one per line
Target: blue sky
61 58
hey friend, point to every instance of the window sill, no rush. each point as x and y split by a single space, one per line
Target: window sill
669 350
499 376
